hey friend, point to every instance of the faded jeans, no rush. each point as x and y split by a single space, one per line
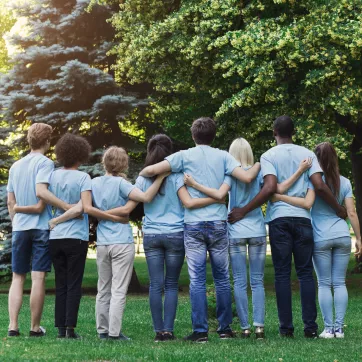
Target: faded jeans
330 260
200 238
256 248
164 250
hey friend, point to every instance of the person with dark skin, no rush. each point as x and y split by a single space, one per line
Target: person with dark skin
290 228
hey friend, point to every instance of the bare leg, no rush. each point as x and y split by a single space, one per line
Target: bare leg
16 299
37 299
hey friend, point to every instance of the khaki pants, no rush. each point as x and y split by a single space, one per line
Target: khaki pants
115 265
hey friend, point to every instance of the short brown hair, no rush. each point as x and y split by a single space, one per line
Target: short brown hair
203 130
115 161
71 150
38 135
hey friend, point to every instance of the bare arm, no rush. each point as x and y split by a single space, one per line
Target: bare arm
123 210
33 209
323 191
269 188
70 214
283 187
194 203
217 194
303 202
353 218
140 196
157 169
246 176
99 214
11 203
44 194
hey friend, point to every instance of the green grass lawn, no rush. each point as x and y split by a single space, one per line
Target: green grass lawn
137 324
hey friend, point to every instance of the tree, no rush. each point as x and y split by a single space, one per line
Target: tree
249 62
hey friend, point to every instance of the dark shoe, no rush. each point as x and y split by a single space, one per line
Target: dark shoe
259 333
312 335
72 335
121 337
62 331
39 333
103 335
168 336
245 333
13 333
287 335
197 337
159 337
226 334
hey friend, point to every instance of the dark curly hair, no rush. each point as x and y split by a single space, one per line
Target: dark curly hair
71 150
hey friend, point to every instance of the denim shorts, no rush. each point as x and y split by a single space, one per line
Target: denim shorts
30 251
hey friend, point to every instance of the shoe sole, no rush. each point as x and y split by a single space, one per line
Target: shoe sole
201 341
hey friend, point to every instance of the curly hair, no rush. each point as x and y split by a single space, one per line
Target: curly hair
38 135
71 150
115 161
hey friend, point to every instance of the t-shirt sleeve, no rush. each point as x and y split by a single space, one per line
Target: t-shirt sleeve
125 188
176 161
86 184
10 186
230 163
228 180
179 181
267 167
44 172
348 190
315 166
310 185
140 183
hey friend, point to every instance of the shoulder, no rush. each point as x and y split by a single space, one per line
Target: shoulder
83 176
345 182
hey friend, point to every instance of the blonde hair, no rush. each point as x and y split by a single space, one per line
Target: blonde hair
241 150
115 161
38 135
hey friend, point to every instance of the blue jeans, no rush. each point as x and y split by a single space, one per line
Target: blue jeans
161 249
331 259
30 251
257 251
200 238
293 236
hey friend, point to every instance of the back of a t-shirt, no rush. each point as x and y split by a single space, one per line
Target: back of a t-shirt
33 169
283 161
326 224
208 166
165 213
109 192
240 194
68 185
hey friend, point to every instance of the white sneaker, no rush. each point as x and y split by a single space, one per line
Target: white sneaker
327 334
339 333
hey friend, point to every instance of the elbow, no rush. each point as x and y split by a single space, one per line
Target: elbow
219 197
351 214
188 205
271 190
40 194
248 179
85 210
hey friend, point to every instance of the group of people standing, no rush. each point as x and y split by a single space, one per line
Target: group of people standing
184 203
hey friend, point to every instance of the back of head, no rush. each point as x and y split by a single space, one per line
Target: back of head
203 130
158 148
284 127
39 135
72 150
115 161
241 150
328 160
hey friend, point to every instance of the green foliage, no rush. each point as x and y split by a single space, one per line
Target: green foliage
6 22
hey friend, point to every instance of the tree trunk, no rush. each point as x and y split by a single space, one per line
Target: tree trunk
356 157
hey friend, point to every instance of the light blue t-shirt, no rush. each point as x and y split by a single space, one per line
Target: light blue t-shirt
208 166
165 213
109 192
24 174
240 194
68 185
283 161
326 224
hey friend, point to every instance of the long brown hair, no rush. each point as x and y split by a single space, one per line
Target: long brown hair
328 160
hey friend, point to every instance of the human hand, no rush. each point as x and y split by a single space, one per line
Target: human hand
52 224
121 219
222 201
189 180
275 198
15 208
342 213
306 164
236 214
358 252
